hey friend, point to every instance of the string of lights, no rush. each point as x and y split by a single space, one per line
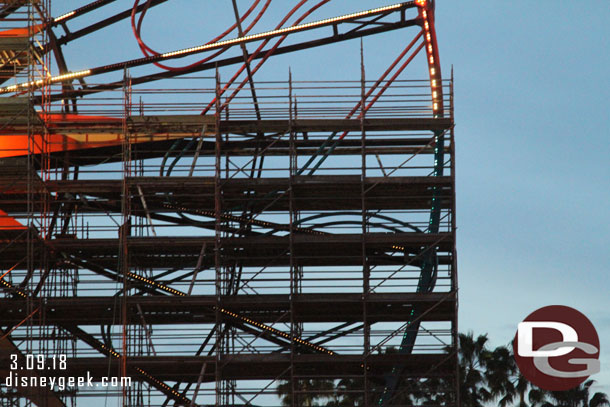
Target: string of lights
205 47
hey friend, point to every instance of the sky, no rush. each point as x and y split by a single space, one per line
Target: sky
531 113
533 180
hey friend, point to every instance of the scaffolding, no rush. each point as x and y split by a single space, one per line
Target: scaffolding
296 241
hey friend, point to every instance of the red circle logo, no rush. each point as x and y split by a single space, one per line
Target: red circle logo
556 348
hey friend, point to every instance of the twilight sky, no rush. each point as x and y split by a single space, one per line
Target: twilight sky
533 179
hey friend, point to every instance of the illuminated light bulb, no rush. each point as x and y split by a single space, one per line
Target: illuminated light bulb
435 106
428 37
425 14
426 25
431 59
430 48
432 71
434 94
434 83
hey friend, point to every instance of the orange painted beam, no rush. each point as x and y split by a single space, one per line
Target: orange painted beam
75 132
21 32
9 223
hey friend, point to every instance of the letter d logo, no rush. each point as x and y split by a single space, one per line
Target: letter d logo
525 334
556 348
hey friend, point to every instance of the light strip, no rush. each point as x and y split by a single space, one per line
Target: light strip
10 286
116 355
277 332
156 284
281 31
436 88
64 16
160 383
48 81
224 311
201 48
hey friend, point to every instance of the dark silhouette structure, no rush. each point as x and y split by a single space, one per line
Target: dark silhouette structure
210 238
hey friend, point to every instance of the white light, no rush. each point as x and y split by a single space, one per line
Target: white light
53 79
66 76
281 31
215 45
63 17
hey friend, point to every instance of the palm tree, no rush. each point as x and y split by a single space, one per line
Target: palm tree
350 391
473 354
500 370
485 376
307 392
578 397
507 384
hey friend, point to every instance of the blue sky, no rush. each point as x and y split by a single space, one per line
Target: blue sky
533 179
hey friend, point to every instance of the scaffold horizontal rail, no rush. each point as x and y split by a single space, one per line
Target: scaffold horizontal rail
251 251
265 308
323 192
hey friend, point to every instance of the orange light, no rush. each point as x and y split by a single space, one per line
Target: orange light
420 3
